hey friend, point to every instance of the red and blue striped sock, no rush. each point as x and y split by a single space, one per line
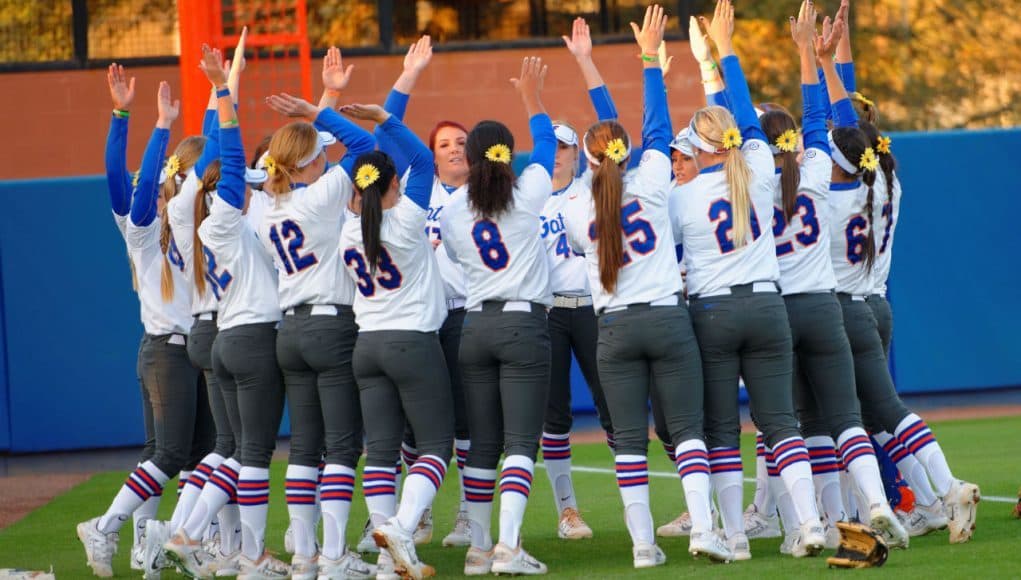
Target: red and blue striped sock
692 464
915 436
335 492
145 482
420 487
253 502
556 455
301 488
478 494
792 461
822 456
726 474
515 487
379 486
633 482
859 459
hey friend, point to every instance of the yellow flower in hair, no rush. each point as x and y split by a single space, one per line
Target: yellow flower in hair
788 141
499 153
858 97
883 146
732 138
173 165
271 165
616 151
869 161
366 175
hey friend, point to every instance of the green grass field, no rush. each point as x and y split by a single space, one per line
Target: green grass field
984 451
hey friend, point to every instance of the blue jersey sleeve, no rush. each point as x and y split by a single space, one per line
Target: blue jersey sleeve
813 122
356 139
845 70
211 150
844 114
544 141
210 122
656 129
143 202
602 102
118 181
396 104
719 99
741 99
825 94
420 160
231 188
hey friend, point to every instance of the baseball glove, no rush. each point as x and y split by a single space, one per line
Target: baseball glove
860 547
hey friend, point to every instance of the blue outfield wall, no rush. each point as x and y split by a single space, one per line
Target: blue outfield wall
70 327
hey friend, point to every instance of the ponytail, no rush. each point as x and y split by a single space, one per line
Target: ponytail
490 177
289 146
790 180
739 177
198 257
782 133
374 173
166 275
607 189
869 179
881 145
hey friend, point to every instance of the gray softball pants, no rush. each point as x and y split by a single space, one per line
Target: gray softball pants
450 340
650 350
505 366
824 391
879 399
745 334
401 375
314 352
149 447
245 364
577 330
200 351
884 319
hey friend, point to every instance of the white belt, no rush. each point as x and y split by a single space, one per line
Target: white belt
510 306
756 287
206 315
859 297
177 339
670 300
455 303
317 310
571 301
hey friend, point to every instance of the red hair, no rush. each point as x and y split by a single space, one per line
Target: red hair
443 125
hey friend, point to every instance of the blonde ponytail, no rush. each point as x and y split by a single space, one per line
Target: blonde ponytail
739 176
166 275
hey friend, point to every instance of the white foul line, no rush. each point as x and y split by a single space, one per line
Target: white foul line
672 475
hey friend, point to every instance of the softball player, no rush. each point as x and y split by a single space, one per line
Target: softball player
739 319
644 332
168 376
491 228
244 353
317 336
399 308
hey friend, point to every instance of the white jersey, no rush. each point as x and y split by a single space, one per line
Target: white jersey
567 268
650 263
705 219
181 211
885 215
122 225
849 231
454 283
301 230
803 244
238 267
405 292
158 317
502 257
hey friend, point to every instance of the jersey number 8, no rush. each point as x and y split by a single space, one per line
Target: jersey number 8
488 240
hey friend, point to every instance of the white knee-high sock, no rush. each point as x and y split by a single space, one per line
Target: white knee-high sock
859 458
916 437
556 455
478 492
335 493
793 463
515 487
782 498
182 480
633 482
253 502
300 489
692 464
420 487
143 514
145 482
221 488
763 501
193 488
380 489
910 468
826 478
728 481
230 527
461 447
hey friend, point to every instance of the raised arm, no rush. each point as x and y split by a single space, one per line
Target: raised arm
529 86
580 46
712 81
844 59
416 61
813 122
840 103
335 78
420 158
656 129
721 30
356 139
143 201
118 180
231 188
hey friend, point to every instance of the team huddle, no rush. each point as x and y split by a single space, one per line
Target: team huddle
419 300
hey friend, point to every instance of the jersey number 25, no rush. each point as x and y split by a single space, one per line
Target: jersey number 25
641 238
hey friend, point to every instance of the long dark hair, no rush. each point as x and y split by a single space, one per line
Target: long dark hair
490 183
607 189
852 142
887 162
372 202
208 184
775 123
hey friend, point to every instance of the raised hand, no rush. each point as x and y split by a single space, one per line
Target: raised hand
292 106
419 55
664 59
699 41
721 29
844 46
827 41
803 27
580 42
238 62
168 110
533 73
374 113
650 35
122 92
335 76
212 65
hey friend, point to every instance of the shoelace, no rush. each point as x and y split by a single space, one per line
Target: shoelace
574 519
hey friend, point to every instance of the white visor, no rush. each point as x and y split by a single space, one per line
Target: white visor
839 158
326 138
566 135
255 176
682 143
697 141
177 178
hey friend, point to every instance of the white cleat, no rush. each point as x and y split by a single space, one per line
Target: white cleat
710 545
680 526
789 541
189 557
832 537
289 539
348 567
478 562
740 547
226 565
961 504
648 556
385 567
401 547
759 525
366 545
572 527
99 547
424 532
460 536
153 558
811 541
512 562
924 519
138 555
885 523
265 568
304 567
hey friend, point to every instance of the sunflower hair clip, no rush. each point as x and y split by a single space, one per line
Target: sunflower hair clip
366 175
787 142
869 161
860 98
270 164
173 165
616 150
883 146
732 139
499 153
